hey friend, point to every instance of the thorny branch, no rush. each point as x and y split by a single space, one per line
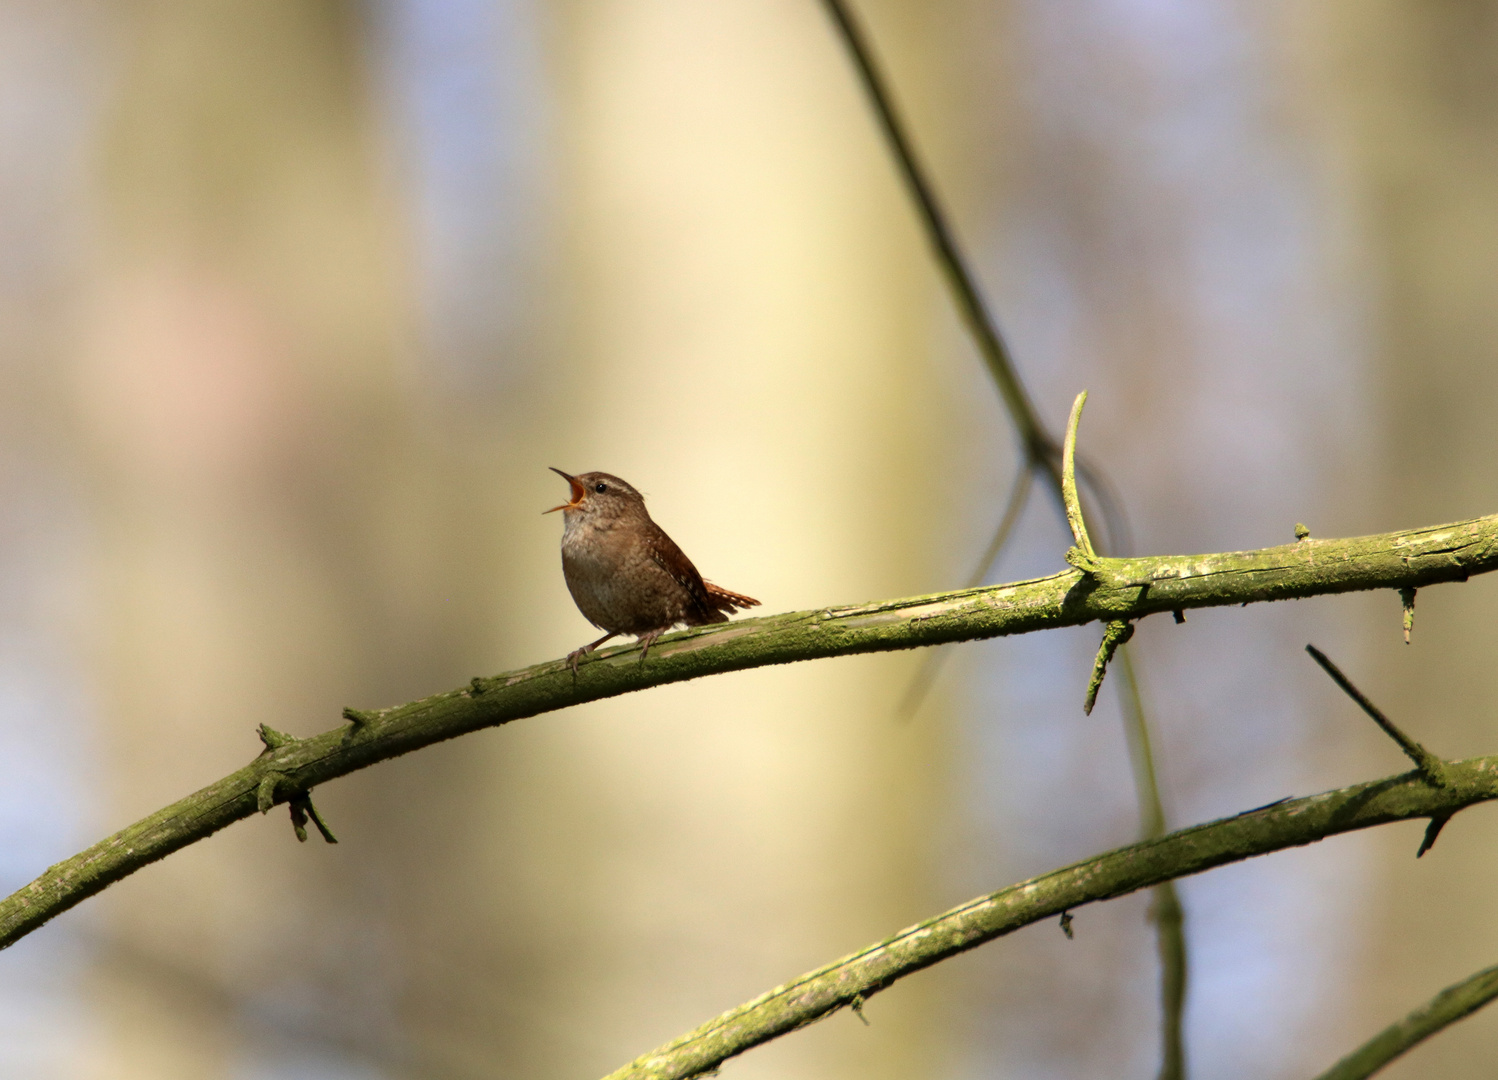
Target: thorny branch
1128 589
1446 1008
1281 825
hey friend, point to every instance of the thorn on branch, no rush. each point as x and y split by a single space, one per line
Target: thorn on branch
1179 616
857 1006
1117 632
301 810
272 738
1066 921
1432 830
1301 532
1084 549
1432 768
358 717
1407 600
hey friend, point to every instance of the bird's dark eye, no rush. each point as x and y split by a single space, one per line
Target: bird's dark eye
600 486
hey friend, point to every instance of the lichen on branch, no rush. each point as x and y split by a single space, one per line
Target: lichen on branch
1114 589
1291 823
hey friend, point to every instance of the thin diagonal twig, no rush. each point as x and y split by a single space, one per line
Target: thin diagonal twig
1040 448
1431 767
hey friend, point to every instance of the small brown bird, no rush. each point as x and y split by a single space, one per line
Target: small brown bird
625 574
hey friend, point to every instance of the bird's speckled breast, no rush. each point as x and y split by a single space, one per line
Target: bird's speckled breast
614 580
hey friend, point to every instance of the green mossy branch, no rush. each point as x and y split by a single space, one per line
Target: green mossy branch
1117 589
1446 1008
1282 825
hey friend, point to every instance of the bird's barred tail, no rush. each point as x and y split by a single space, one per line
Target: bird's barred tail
723 600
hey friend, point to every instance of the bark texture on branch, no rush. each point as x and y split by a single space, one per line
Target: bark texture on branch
1114 589
853 979
1456 1002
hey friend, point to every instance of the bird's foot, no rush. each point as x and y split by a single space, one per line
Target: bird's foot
647 640
577 654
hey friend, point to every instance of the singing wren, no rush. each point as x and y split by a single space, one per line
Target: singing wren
624 573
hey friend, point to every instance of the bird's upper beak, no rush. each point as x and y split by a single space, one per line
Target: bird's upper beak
578 491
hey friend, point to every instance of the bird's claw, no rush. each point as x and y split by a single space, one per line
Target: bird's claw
647 640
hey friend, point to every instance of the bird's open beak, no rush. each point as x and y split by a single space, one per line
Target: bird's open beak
578 491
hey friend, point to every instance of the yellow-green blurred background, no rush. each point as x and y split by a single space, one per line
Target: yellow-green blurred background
299 299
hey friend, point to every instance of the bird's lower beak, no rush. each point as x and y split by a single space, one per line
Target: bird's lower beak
578 491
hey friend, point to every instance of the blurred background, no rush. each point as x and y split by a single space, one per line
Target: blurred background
299 299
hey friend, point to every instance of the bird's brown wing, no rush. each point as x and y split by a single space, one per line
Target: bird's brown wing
671 559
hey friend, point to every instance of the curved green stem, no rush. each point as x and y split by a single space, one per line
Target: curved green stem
1282 825
1446 1008
1167 913
1123 589
1074 518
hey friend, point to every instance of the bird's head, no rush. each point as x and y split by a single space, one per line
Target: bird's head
598 496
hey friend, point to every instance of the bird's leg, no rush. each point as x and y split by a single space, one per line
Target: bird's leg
577 654
648 639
